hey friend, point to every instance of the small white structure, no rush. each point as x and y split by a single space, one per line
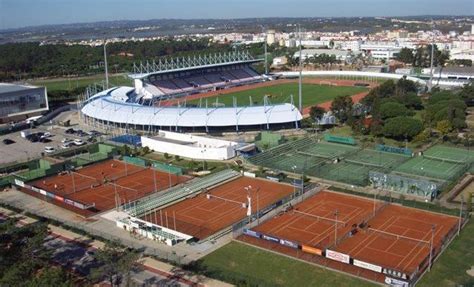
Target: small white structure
195 147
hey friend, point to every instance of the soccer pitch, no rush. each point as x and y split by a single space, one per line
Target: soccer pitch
313 94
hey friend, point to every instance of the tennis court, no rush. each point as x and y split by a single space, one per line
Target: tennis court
106 184
313 222
219 207
399 239
448 153
370 239
437 169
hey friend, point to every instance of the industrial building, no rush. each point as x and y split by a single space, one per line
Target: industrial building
19 102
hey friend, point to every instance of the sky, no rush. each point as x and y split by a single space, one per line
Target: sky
21 13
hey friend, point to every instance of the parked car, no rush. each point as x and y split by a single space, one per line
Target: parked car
79 142
66 145
70 131
8 141
49 149
47 135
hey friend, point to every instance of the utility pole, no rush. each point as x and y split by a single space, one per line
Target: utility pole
431 246
105 64
460 215
300 97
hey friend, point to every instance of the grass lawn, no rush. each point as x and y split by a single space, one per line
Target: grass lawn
312 94
450 269
212 166
244 265
72 83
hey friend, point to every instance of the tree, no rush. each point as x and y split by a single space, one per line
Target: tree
422 57
444 127
114 263
406 56
316 112
391 110
402 127
342 108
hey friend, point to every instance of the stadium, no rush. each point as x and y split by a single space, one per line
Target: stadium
140 107
219 92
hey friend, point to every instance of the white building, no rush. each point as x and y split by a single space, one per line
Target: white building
194 147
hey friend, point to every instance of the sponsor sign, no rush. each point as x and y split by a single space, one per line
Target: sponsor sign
368 266
60 198
49 194
78 205
289 243
396 282
270 238
249 174
42 192
341 257
19 182
35 189
394 273
68 201
251 233
311 250
273 178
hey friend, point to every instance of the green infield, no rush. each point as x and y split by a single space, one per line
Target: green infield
451 268
313 94
244 265
79 82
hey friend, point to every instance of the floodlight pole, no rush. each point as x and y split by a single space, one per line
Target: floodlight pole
169 174
105 65
335 228
375 196
294 184
431 246
300 97
430 87
73 182
265 49
154 179
460 214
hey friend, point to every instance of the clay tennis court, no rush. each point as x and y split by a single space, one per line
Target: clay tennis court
397 239
313 221
99 184
201 217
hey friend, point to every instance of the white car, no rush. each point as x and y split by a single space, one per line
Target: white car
79 142
66 140
66 145
49 149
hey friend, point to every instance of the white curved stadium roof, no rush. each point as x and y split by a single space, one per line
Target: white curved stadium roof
111 105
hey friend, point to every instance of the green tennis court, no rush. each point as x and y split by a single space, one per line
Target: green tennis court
437 169
448 153
377 158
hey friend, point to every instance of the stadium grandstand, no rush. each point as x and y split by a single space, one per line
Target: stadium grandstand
140 108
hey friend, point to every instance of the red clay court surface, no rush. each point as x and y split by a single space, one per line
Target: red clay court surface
98 183
201 217
385 250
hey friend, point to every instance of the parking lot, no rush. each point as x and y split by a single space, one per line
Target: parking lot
23 149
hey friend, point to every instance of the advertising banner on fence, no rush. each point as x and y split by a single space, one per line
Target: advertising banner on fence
79 205
60 198
273 178
311 250
289 243
42 192
68 201
395 282
368 266
341 257
270 238
394 273
251 233
19 182
35 189
249 174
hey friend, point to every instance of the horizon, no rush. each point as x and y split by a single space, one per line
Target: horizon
18 14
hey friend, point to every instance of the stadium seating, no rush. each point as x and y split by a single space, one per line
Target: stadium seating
176 193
